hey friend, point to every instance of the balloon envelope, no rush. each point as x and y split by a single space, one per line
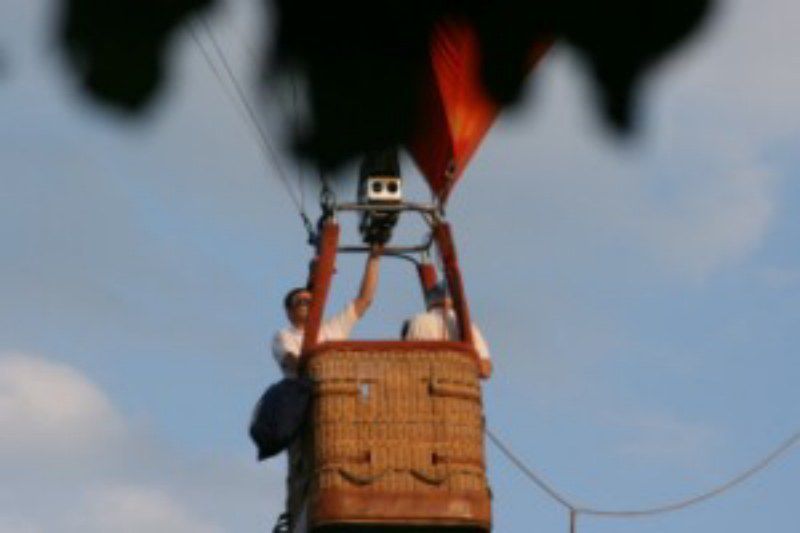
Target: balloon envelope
456 111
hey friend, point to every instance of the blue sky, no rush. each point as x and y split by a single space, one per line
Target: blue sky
640 299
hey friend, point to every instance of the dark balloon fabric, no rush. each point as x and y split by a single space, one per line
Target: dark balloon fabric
279 415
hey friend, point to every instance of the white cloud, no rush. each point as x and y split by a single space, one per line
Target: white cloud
692 196
71 462
134 509
43 403
745 61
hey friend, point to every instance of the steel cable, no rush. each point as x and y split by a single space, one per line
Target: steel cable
223 83
267 148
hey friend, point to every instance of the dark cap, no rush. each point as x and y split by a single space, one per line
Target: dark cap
436 294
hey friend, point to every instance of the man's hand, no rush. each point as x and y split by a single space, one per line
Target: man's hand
376 250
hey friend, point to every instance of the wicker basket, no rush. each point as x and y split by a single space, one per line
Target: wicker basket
395 437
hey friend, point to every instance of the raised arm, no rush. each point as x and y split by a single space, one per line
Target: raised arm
369 282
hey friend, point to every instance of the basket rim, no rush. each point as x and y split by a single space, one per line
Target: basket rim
394 346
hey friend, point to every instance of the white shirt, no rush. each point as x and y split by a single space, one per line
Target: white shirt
430 326
289 340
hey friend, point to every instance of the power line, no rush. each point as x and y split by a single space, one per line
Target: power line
576 510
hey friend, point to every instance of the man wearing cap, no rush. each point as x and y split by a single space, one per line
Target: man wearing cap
439 322
287 343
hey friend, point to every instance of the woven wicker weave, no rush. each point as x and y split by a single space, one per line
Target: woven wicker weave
395 437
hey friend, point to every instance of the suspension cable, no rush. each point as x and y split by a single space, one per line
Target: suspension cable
296 126
232 98
248 114
301 177
576 510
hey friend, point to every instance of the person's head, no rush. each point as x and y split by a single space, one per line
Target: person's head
296 303
438 296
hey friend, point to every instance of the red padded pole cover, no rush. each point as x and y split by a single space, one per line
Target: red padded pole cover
323 266
427 276
444 239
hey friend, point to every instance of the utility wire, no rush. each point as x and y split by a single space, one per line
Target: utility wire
575 510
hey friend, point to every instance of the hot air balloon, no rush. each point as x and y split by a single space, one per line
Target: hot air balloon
394 437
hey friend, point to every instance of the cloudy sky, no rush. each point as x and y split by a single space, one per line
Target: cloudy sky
641 298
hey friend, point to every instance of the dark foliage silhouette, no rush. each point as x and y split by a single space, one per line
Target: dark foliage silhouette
364 62
118 47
